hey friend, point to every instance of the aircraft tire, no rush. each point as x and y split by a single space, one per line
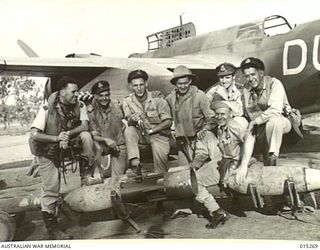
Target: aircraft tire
7 227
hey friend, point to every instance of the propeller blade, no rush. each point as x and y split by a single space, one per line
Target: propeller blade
26 49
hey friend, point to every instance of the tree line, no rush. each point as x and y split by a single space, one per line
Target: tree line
26 97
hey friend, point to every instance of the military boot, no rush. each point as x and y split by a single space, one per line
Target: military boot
272 160
54 232
86 172
218 217
135 169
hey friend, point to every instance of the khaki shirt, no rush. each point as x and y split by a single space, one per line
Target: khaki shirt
107 122
271 101
41 118
153 111
231 138
191 112
219 93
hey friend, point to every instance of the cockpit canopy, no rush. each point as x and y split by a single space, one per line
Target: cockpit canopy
270 26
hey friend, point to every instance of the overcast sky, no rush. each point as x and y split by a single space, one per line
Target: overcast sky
54 28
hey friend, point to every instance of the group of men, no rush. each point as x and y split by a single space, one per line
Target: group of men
215 132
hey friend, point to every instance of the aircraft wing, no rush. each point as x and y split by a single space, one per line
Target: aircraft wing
196 62
83 69
90 69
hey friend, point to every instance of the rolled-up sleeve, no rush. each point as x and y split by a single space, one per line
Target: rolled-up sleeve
93 126
211 93
275 103
83 113
205 106
236 103
208 113
126 109
164 110
40 120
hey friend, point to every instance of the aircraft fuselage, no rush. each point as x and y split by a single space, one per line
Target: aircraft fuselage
292 57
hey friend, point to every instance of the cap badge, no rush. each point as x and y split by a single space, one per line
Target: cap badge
222 68
248 60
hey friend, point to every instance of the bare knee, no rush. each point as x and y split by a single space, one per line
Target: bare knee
85 136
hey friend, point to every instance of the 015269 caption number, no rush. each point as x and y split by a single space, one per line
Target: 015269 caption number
308 246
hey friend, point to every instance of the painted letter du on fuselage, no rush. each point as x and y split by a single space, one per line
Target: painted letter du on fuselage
302 52
301 66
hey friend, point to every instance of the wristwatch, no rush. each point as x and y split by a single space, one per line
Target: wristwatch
150 131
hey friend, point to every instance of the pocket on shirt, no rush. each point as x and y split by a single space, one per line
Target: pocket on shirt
153 117
197 112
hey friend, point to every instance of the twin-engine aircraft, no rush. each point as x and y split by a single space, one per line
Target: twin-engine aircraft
290 53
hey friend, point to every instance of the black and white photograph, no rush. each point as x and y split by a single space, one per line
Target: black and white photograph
142 120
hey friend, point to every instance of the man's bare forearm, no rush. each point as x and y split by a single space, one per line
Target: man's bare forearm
248 147
98 138
77 130
38 135
163 125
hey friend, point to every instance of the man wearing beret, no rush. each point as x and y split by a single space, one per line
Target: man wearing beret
193 120
149 121
265 100
226 89
107 129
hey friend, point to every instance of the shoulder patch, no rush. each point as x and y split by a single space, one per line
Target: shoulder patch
45 107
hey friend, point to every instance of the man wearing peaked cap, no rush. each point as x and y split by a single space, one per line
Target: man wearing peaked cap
149 121
137 74
267 108
106 127
252 62
225 69
226 89
193 120
99 87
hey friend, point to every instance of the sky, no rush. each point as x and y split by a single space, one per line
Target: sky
55 28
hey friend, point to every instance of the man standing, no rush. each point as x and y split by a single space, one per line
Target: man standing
149 121
107 128
58 125
265 100
197 146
